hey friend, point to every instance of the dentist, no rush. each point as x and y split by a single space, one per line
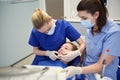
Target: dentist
48 35
102 35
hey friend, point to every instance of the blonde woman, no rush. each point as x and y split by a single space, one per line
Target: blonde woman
48 35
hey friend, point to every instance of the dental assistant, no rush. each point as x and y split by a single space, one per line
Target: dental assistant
102 41
48 35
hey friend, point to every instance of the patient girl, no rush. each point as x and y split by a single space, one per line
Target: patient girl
68 46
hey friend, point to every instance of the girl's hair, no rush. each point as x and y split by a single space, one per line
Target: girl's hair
74 47
91 6
39 18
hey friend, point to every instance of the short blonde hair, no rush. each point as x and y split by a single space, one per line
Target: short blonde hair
39 18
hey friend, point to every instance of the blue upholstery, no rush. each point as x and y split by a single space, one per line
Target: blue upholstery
37 60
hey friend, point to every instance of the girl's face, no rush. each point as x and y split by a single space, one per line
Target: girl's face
84 15
65 47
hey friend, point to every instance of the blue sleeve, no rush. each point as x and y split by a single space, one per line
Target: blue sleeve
112 43
33 40
71 33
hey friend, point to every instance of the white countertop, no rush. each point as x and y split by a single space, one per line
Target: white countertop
118 21
73 20
78 20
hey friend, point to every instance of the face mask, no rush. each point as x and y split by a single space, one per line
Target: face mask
86 24
52 30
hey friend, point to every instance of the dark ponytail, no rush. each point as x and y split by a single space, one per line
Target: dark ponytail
91 6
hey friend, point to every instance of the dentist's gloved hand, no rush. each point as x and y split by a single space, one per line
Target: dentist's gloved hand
51 55
70 55
72 70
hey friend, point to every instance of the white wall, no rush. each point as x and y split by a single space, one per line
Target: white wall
42 5
15 27
70 8
71 12
114 9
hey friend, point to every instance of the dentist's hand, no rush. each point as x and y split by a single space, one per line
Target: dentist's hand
72 70
51 55
70 55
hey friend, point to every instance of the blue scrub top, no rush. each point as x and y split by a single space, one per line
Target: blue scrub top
63 30
108 38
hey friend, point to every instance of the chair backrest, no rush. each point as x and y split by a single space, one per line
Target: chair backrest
76 61
37 59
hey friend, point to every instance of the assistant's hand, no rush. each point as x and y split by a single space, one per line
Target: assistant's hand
51 55
72 70
70 55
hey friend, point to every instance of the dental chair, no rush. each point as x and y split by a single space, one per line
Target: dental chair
36 60
75 62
